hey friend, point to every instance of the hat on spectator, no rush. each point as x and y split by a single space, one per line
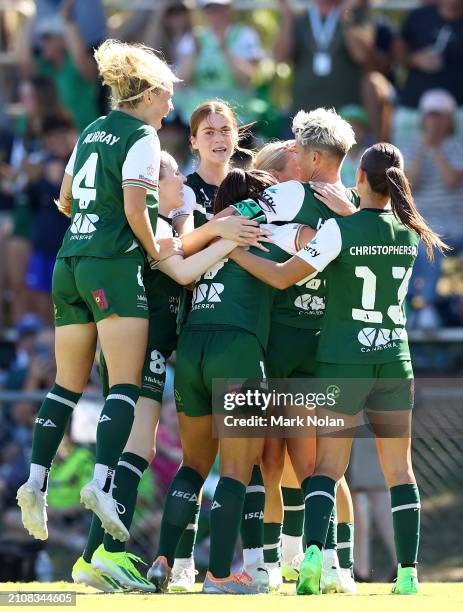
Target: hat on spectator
205 3
437 101
29 324
354 112
51 25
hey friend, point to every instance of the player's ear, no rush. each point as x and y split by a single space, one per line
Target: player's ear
193 143
361 176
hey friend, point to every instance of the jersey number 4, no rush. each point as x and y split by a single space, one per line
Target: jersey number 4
83 183
368 312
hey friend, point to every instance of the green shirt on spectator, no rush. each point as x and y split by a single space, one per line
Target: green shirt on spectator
78 95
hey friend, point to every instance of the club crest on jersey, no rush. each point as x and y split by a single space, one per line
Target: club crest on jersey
100 299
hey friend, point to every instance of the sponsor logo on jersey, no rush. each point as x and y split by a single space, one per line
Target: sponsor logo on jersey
267 203
310 302
311 250
150 170
205 296
215 504
100 299
84 223
45 423
374 339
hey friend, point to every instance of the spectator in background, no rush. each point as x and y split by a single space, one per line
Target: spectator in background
59 138
358 119
167 27
61 55
39 100
27 330
220 61
379 83
435 169
431 47
89 16
34 366
329 45
161 27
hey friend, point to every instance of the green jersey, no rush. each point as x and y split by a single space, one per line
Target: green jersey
113 152
368 259
198 201
163 295
228 296
303 304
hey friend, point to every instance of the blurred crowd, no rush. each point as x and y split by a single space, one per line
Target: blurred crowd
395 75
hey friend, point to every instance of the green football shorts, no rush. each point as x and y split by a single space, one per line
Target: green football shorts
291 352
382 387
204 355
89 289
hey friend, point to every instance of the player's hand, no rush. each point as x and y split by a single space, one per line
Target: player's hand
168 247
427 60
66 9
334 196
241 230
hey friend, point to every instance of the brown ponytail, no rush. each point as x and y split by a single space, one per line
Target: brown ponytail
383 166
240 184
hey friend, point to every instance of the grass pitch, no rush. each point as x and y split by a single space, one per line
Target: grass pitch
433 597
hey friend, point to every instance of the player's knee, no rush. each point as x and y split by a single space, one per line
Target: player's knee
202 465
398 474
237 471
335 472
272 470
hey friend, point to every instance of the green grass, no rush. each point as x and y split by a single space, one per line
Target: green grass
433 597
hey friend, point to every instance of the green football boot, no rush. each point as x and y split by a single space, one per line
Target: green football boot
310 572
120 567
406 582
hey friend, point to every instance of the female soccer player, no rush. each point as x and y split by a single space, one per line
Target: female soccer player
369 258
225 336
163 286
110 188
214 137
297 317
